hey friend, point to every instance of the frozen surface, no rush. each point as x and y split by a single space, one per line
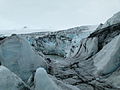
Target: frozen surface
10 81
60 42
108 59
86 48
43 81
77 59
113 20
17 55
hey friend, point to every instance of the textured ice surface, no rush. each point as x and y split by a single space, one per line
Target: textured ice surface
86 48
10 81
17 55
113 20
108 59
43 81
61 42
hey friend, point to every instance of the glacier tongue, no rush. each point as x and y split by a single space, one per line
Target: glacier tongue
17 55
10 81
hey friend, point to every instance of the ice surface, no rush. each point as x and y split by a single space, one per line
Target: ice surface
60 43
108 59
17 55
10 81
113 20
43 81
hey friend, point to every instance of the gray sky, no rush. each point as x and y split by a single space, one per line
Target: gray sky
55 14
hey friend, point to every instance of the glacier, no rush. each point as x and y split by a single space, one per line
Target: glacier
60 42
80 58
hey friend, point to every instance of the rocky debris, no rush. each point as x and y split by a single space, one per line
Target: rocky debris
10 81
62 85
99 50
2 38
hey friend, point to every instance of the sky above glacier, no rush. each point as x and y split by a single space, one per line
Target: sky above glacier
54 14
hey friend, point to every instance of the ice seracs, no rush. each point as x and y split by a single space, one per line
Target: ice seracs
43 81
60 42
87 48
107 60
17 55
10 81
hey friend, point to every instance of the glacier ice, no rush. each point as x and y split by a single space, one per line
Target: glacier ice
43 81
108 59
113 20
10 81
17 55
89 63
60 42
87 48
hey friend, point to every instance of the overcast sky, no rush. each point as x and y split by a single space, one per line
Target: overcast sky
55 14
